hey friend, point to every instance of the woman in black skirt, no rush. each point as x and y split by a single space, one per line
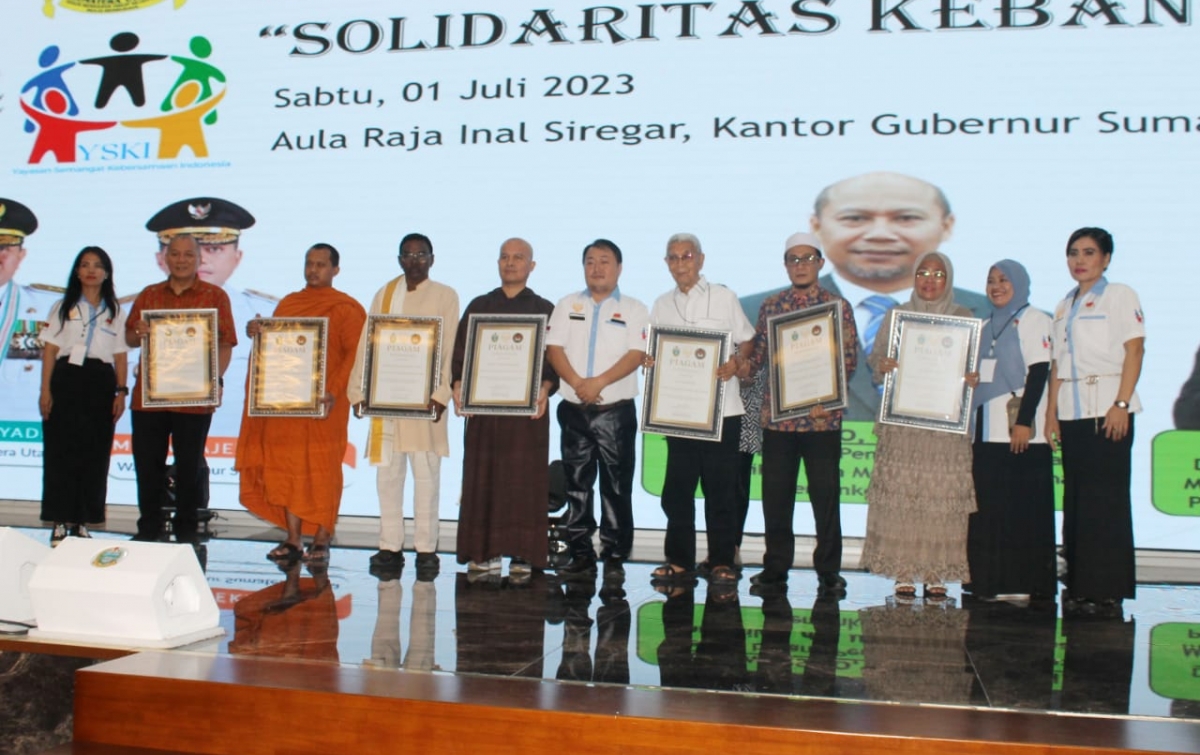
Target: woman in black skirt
83 394
1010 539
1099 341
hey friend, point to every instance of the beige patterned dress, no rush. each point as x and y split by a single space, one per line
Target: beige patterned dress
919 500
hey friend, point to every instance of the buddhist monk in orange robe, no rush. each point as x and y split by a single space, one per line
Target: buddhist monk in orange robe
291 467
296 619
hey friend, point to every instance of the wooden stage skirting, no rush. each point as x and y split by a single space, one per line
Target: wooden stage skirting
181 702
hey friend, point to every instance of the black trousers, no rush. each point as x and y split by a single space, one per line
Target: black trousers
599 442
1097 511
821 453
715 466
186 434
742 508
77 442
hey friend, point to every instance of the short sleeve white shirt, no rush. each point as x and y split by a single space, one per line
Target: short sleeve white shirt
711 307
595 336
1089 347
1033 330
95 329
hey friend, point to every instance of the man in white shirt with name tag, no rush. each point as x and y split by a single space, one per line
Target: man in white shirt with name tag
596 343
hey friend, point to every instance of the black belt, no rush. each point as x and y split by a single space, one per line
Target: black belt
597 408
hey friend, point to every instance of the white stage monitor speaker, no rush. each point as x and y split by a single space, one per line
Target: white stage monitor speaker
123 593
19 556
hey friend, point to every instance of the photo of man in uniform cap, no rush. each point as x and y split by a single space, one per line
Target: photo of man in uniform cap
23 309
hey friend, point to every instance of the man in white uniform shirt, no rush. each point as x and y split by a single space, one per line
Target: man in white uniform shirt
696 303
596 343
23 309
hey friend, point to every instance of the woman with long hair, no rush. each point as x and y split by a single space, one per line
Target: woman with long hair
83 394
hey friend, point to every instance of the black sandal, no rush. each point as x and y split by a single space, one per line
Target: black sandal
317 553
284 553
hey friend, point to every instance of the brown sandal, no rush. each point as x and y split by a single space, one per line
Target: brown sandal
284 553
670 573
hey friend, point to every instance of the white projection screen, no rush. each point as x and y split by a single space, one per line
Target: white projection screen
356 122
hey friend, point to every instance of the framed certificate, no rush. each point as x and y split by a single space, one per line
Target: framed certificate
502 372
403 365
807 364
928 388
683 395
287 368
179 358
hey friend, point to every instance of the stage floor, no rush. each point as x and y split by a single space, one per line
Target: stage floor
621 630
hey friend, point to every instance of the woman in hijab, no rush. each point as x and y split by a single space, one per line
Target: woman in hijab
921 491
1010 542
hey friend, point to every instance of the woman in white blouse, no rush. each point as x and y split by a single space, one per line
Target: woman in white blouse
1099 340
1010 540
83 394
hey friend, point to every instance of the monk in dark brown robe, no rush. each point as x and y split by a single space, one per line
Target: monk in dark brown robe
291 467
506 483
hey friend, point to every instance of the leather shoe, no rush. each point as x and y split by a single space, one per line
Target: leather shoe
384 559
428 566
769 577
578 567
830 584
428 560
769 590
614 567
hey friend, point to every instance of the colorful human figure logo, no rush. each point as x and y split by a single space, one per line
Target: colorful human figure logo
195 69
189 104
49 79
56 135
122 71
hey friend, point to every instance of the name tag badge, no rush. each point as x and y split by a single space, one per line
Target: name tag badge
78 354
576 316
987 370
615 321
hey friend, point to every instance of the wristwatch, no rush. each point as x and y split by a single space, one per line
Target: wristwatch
122 389
1121 405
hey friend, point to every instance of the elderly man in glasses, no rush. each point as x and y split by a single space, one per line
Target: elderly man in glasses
694 302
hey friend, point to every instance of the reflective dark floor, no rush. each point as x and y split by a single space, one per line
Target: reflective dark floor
1144 661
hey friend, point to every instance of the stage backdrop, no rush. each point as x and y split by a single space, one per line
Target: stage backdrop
356 122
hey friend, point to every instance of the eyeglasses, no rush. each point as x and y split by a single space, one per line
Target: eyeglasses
416 255
938 274
792 260
675 259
